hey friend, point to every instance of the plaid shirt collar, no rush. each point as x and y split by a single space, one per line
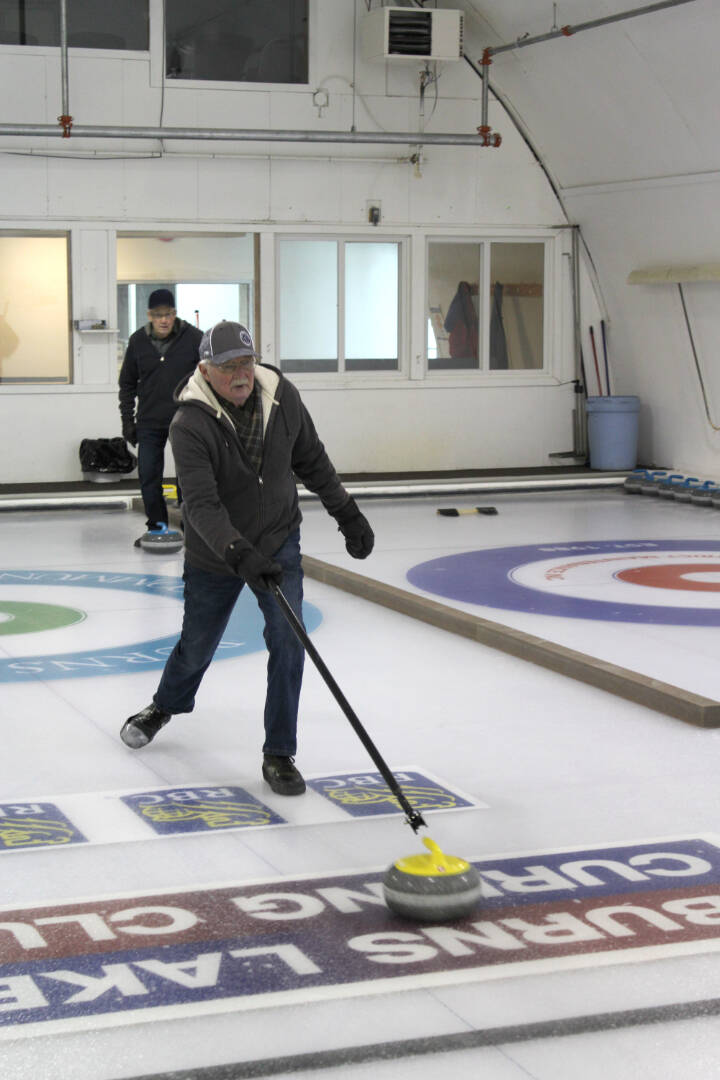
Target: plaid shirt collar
248 421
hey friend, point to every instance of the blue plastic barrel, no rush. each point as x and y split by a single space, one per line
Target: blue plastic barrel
613 431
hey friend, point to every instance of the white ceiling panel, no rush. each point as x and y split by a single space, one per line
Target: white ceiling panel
630 100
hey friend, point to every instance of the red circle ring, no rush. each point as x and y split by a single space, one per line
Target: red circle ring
672 576
485 577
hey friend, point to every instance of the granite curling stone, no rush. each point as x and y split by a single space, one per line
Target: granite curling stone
161 541
433 887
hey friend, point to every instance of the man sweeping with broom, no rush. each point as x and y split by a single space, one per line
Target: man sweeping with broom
240 436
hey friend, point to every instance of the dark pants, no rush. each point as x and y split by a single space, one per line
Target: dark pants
151 465
209 601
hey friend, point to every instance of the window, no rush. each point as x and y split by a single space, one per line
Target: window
34 309
211 278
91 24
371 306
453 318
338 305
237 40
494 326
516 306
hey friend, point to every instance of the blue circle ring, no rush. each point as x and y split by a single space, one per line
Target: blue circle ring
243 633
485 578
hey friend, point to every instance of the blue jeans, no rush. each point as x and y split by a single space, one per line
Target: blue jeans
151 465
209 601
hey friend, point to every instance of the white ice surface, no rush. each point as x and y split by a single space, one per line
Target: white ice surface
558 763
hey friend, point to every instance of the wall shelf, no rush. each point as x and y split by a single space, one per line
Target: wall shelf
673 275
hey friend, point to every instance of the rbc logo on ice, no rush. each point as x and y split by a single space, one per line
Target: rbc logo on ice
367 794
200 809
32 825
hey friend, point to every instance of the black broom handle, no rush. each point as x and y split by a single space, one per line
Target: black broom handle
413 817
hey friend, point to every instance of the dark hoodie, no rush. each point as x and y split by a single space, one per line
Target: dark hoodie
224 499
151 377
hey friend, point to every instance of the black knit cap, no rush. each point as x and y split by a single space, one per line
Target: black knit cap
161 298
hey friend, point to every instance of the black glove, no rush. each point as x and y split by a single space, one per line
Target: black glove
129 432
355 527
249 563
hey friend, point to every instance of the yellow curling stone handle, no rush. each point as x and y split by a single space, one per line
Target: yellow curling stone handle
437 862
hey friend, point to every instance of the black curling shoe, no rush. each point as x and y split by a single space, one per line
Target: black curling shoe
282 776
141 729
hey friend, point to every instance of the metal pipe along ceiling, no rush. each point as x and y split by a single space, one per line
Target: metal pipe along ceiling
243 134
593 24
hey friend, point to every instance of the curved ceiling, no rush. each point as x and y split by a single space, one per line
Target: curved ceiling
632 100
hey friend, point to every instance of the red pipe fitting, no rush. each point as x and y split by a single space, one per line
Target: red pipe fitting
486 136
66 122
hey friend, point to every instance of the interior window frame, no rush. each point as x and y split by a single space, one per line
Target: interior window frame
67 380
342 374
551 286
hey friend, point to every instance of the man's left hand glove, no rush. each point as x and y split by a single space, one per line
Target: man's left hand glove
355 527
129 432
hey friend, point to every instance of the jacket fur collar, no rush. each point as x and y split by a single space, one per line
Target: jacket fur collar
198 390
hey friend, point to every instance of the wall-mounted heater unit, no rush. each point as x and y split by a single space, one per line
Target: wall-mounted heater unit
401 33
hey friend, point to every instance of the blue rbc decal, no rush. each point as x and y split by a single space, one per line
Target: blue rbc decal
201 809
35 825
367 795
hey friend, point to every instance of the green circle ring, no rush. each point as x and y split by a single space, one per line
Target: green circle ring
25 618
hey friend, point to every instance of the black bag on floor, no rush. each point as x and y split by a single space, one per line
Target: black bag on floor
106 456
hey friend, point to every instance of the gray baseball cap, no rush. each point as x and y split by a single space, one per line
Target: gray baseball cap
224 341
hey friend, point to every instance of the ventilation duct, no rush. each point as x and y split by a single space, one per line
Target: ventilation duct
410 33
400 33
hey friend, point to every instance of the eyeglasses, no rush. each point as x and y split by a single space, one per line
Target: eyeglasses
231 366
155 314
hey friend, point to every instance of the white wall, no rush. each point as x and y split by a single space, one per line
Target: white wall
370 424
638 226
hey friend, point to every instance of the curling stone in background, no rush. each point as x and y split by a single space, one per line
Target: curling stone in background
161 540
666 490
683 492
703 495
432 887
651 484
633 481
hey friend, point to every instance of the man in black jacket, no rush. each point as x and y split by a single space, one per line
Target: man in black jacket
240 436
158 356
